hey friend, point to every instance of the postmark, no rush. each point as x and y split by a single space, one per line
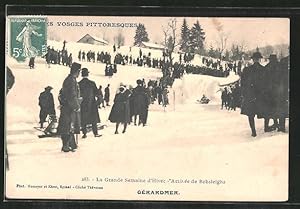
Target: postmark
28 37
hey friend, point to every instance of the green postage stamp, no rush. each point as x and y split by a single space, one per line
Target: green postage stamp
28 37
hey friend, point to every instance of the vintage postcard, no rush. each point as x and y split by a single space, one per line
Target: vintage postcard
147 108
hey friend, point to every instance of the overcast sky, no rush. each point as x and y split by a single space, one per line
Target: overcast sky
252 32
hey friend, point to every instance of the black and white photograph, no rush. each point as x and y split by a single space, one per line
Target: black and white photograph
147 108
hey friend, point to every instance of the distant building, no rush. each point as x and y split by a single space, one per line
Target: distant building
88 39
149 45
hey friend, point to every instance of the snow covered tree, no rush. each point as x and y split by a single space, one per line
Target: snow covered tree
141 35
185 37
197 38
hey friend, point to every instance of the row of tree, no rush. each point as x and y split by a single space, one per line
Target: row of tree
238 52
192 41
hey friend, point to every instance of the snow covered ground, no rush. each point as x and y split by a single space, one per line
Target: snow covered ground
74 48
185 141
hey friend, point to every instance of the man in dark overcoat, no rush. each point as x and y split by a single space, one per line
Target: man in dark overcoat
100 100
270 92
31 62
224 98
46 103
10 80
251 81
89 109
69 121
107 95
158 90
282 101
140 103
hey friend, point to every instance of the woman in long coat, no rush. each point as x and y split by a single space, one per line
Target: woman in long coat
120 111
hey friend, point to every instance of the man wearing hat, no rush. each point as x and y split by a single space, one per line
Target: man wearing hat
46 103
282 101
140 103
89 109
270 91
251 87
70 100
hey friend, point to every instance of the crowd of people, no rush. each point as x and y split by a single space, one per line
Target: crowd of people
265 92
235 66
80 101
262 91
256 93
231 97
168 67
203 70
91 56
60 57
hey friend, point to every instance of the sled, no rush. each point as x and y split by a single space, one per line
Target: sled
45 133
99 127
52 134
203 102
51 129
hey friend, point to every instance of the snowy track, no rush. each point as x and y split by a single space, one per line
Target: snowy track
187 140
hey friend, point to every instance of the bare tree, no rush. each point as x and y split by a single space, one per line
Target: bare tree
166 34
223 37
243 45
119 39
170 31
104 34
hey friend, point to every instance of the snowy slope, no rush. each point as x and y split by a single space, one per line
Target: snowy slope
184 141
73 47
